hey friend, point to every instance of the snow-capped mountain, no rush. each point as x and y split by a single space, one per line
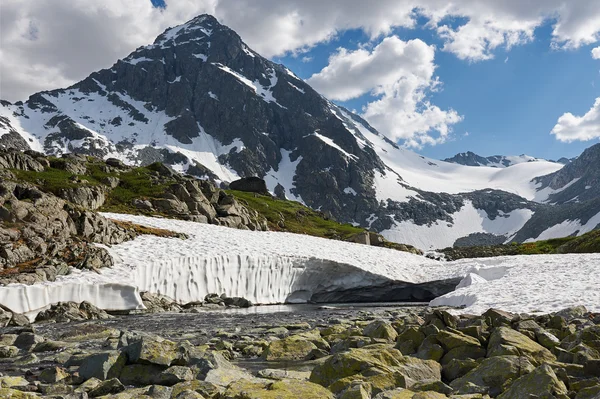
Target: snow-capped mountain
495 161
201 100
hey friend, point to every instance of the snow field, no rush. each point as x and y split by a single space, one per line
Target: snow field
272 267
540 283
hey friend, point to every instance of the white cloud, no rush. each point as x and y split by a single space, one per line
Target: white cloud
399 74
596 53
579 128
42 41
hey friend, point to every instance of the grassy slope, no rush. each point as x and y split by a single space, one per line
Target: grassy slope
295 217
136 183
281 215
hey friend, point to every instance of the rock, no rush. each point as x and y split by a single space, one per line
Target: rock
27 340
102 366
541 381
493 375
11 382
91 197
288 349
435 386
278 374
357 391
8 393
19 320
237 302
53 375
357 361
115 163
140 374
380 329
108 387
409 340
156 303
189 395
506 341
498 318
546 339
463 353
589 393
454 339
457 368
174 375
572 313
212 367
291 389
203 388
8 351
250 184
149 350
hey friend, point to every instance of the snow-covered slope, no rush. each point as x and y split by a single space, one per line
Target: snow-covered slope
495 161
270 267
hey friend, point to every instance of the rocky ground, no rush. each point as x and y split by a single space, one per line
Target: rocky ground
48 218
303 352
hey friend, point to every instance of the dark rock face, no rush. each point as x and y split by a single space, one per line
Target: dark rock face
582 176
250 184
496 161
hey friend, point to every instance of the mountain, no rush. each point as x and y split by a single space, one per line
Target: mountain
200 100
495 161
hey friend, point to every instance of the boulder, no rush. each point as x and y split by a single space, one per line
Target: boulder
493 375
506 341
540 382
377 361
288 389
380 329
102 366
250 184
108 387
289 349
153 350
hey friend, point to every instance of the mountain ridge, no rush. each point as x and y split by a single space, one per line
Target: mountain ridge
200 100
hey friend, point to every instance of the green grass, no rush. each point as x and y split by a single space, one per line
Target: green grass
297 218
136 183
586 243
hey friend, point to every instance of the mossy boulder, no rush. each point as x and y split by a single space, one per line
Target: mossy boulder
8 393
149 350
506 341
493 375
451 339
10 382
380 329
289 349
540 382
287 389
204 388
365 362
140 374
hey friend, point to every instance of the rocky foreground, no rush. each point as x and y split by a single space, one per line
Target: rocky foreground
383 353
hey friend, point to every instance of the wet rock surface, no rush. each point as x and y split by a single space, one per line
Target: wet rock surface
306 351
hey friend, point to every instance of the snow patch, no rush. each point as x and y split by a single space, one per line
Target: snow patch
284 175
332 143
467 220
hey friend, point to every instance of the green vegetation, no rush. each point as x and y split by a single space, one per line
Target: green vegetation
294 217
139 182
586 243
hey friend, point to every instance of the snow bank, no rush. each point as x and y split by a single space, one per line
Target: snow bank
265 267
272 267
540 283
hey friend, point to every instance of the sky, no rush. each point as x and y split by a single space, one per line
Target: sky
439 77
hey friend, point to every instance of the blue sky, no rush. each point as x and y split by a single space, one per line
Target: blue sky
509 104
